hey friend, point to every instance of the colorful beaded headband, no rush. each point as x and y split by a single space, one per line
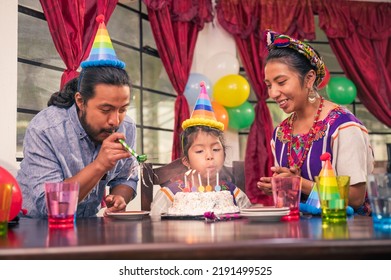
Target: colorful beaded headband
275 40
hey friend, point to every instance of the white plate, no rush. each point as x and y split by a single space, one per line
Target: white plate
264 209
128 215
265 216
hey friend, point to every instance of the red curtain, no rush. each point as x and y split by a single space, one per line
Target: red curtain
246 20
73 26
359 34
175 26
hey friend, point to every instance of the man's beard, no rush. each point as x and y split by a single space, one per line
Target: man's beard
91 132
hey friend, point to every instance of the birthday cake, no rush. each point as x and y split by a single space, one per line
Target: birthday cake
197 203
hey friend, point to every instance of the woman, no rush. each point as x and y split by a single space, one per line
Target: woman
293 70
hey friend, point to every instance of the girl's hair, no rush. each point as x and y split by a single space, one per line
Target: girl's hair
88 79
293 59
189 134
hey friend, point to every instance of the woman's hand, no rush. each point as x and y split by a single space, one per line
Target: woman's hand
265 183
285 171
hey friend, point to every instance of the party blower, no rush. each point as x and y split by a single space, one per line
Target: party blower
140 158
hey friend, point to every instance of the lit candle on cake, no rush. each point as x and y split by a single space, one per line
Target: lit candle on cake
217 187
201 187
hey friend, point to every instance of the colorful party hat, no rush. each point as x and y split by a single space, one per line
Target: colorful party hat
203 112
327 169
102 51
327 178
313 198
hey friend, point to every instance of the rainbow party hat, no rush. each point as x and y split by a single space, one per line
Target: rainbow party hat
327 178
203 112
102 51
327 170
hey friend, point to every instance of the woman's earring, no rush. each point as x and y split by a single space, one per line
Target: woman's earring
312 95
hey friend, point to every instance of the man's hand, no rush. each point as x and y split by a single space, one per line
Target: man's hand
115 203
111 151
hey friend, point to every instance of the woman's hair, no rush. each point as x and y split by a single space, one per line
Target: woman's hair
88 79
293 59
190 133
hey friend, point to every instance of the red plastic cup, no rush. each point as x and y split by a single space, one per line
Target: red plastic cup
61 202
286 193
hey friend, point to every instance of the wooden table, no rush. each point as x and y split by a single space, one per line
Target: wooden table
108 238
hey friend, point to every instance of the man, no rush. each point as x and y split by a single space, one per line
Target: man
80 143
76 139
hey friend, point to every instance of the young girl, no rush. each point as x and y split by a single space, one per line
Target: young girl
204 153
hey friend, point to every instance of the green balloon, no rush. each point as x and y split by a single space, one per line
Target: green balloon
241 117
341 90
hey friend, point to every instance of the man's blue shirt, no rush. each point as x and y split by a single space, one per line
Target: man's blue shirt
57 147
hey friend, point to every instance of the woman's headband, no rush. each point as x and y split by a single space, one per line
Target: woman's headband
275 40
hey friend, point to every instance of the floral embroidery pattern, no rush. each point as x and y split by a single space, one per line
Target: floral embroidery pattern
299 140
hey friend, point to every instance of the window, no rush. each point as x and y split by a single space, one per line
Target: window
40 69
153 98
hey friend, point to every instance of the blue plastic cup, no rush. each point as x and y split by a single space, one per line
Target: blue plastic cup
379 194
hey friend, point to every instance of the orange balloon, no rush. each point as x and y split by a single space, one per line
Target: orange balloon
221 113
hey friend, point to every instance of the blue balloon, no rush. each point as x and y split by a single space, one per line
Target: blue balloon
192 89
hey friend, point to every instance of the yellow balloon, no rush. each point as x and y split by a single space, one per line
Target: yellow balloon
231 90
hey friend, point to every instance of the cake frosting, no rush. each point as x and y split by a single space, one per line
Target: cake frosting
197 203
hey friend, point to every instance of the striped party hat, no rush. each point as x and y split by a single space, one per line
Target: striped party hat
313 198
102 51
328 178
203 112
327 170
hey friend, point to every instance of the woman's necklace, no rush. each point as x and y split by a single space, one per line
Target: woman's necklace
311 137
